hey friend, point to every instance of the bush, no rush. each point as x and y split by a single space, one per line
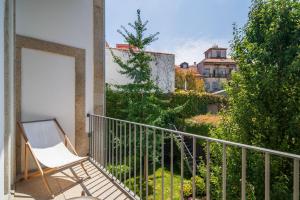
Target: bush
118 169
195 103
187 188
200 186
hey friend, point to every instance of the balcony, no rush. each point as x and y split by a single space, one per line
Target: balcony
129 160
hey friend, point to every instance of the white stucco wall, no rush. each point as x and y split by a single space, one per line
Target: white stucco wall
51 86
61 21
1 99
162 66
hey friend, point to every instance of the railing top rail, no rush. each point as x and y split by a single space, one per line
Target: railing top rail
209 139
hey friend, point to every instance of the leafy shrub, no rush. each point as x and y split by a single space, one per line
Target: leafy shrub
187 188
195 103
200 186
118 169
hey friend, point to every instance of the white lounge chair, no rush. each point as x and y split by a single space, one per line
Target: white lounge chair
47 142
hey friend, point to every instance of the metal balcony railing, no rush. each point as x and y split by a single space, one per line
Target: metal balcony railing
127 151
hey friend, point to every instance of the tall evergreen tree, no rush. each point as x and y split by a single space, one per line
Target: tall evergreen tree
141 95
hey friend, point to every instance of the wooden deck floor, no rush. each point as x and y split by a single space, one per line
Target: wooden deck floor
65 185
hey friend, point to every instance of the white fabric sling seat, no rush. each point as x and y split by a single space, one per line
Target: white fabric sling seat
48 144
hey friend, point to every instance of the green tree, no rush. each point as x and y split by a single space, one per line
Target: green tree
142 99
264 95
141 96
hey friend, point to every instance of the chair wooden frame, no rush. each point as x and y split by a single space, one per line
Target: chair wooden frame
42 172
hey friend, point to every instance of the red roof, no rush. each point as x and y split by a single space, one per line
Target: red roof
126 47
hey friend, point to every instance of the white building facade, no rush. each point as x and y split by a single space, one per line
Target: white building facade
216 68
162 69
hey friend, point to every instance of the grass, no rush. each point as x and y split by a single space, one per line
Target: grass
167 185
158 185
206 119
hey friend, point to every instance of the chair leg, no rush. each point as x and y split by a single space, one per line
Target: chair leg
26 163
47 186
84 169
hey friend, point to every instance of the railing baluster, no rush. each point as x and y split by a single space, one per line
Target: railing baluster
129 134
182 168
296 180
154 164
106 141
93 139
194 168
141 161
162 165
125 152
208 170
90 135
120 138
105 124
224 172
244 166
102 147
98 140
109 142
135 159
171 165
113 147
117 150
267 176
147 130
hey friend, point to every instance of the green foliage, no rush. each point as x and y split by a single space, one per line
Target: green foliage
187 79
179 105
195 103
200 186
118 169
264 97
158 185
197 128
187 188
140 100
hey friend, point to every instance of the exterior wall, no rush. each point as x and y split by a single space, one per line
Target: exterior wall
211 81
62 22
163 70
219 69
215 73
213 53
2 3
54 96
78 24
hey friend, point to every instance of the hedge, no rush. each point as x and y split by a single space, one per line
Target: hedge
195 103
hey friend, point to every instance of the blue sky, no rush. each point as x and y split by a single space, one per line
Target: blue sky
187 27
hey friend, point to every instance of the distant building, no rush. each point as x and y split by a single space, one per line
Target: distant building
184 65
216 68
162 67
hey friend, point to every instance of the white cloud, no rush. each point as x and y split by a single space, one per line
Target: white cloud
191 50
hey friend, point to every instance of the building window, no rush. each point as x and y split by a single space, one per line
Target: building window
218 54
215 86
207 86
206 72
